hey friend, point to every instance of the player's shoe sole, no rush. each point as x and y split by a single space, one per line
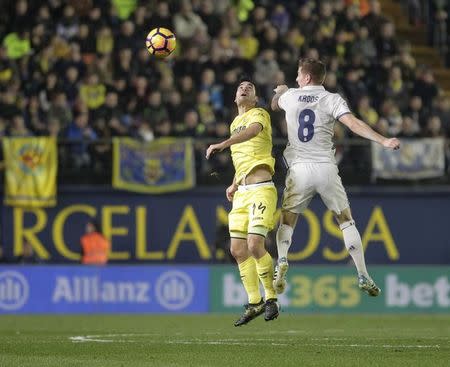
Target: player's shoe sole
279 277
251 312
272 309
368 285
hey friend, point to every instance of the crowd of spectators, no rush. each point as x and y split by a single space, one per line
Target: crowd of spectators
435 15
78 69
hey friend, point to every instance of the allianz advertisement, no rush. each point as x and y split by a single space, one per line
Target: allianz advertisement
187 289
85 289
396 228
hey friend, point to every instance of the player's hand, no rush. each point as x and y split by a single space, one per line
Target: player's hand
392 143
281 89
230 191
213 148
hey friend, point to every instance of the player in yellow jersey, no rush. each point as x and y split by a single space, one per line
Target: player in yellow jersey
254 199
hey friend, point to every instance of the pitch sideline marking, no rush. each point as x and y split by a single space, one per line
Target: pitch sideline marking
100 338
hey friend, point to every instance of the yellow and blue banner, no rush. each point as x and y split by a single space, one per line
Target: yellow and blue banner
417 159
163 165
31 170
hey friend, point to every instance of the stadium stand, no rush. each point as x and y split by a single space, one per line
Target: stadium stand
79 70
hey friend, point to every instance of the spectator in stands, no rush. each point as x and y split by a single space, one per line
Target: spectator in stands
210 18
126 38
105 41
260 22
248 43
434 128
175 108
331 83
407 63
191 125
390 111
145 131
208 84
366 112
155 110
409 128
280 18
205 109
189 63
364 45
386 43
186 22
374 19
188 90
164 129
442 110
426 88
266 68
396 88
53 128
161 17
93 92
18 128
70 86
416 112
94 246
35 117
60 109
382 126
80 131
353 86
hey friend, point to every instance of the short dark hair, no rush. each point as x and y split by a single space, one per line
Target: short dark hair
315 68
246 78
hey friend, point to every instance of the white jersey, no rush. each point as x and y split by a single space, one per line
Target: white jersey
311 112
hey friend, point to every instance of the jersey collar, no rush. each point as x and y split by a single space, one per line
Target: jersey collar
313 87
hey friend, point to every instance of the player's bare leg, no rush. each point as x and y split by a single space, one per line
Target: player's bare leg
353 243
285 230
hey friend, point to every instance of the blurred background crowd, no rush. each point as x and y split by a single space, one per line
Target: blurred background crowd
79 70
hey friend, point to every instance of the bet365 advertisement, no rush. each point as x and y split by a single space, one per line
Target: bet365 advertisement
334 289
202 289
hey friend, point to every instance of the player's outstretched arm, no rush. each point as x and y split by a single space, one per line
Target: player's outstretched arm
244 135
362 129
279 91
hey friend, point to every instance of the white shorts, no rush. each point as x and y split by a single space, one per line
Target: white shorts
304 180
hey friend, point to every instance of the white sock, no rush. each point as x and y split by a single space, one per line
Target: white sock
353 243
284 239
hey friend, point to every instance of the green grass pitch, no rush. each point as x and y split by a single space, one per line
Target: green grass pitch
212 340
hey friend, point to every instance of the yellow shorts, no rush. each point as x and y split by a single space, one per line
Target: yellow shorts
253 210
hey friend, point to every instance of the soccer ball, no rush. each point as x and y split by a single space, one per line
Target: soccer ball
160 42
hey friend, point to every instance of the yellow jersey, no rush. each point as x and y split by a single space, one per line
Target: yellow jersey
256 151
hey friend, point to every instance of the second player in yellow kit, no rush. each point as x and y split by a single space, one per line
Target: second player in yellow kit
254 199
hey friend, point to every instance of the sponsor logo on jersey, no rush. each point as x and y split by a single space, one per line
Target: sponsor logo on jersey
238 130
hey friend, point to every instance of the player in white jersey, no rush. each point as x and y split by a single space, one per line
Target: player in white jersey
311 112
